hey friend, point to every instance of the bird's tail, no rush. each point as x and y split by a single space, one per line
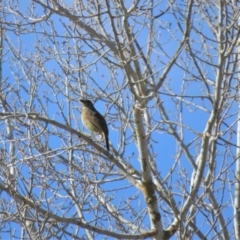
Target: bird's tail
107 141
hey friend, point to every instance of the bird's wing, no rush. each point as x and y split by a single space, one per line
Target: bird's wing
99 122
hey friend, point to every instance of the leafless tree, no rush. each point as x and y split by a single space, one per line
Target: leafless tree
165 74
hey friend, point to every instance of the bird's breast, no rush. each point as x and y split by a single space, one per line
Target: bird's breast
89 120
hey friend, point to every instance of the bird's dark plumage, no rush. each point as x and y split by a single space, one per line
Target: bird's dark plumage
93 120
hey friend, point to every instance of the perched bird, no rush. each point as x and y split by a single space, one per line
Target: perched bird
93 120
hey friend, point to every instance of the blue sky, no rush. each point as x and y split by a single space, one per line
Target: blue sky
96 79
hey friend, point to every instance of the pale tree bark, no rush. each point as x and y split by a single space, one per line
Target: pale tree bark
237 172
9 167
165 77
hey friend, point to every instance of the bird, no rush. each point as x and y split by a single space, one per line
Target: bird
93 120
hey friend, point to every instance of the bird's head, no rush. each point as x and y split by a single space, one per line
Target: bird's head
87 103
